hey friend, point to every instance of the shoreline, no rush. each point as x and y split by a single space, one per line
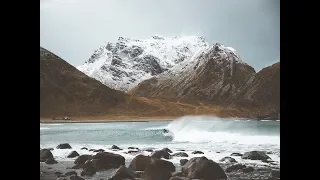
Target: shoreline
114 119
107 119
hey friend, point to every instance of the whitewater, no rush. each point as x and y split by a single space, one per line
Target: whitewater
215 137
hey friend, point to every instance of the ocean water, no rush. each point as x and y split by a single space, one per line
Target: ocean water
216 137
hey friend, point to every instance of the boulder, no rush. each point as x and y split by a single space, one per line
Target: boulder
140 162
183 161
115 147
235 167
57 173
70 173
160 154
275 173
166 149
88 169
45 154
84 148
76 177
148 149
64 146
51 161
236 154
228 160
139 174
197 152
122 173
98 150
106 160
133 148
180 154
133 151
255 155
203 168
158 170
82 159
163 164
73 154
247 169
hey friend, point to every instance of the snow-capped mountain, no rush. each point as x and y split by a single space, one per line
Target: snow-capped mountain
213 74
126 63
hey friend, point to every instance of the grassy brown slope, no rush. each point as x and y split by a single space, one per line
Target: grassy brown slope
66 91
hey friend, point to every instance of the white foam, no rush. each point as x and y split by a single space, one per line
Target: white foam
192 129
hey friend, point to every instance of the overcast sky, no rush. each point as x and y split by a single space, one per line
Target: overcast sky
73 29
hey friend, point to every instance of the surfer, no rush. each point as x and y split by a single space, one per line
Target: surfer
165 131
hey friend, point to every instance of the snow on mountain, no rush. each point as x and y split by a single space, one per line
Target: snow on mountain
126 63
218 52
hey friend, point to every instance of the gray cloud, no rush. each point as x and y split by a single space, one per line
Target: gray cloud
73 29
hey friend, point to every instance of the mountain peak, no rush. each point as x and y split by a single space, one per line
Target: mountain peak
124 64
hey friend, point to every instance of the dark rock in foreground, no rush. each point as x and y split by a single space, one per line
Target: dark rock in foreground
73 154
247 169
45 154
122 173
183 161
140 162
180 154
228 159
197 152
275 173
64 146
88 169
255 155
51 161
166 149
235 167
203 168
160 154
236 154
106 160
158 169
82 159
70 173
76 177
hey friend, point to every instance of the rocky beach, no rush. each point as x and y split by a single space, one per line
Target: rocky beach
108 164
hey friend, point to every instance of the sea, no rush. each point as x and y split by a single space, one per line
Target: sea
215 137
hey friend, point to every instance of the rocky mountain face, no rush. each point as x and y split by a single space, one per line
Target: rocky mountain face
262 91
217 75
126 63
214 75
